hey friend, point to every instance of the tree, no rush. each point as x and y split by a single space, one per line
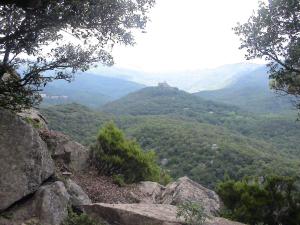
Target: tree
273 33
113 154
272 200
57 38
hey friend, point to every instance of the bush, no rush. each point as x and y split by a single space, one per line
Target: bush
119 180
192 213
113 154
79 219
272 201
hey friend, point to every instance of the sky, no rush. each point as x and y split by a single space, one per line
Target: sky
187 35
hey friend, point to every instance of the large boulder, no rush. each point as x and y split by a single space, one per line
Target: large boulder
48 206
51 203
178 192
184 189
24 159
69 154
149 192
146 214
133 214
77 196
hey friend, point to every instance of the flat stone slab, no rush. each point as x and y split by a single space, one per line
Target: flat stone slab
143 214
134 214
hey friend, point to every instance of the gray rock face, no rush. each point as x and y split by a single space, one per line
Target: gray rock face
71 154
24 159
35 116
51 203
134 214
143 214
184 189
77 196
48 206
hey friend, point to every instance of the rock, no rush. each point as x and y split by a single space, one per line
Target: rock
51 203
184 189
34 117
77 196
133 214
175 193
150 192
143 214
221 221
69 153
24 159
48 206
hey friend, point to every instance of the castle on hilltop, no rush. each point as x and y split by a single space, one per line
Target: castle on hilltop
164 85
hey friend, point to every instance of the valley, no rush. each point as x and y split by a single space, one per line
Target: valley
203 139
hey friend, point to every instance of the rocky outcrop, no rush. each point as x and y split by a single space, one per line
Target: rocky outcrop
176 193
24 159
51 203
184 189
77 196
34 117
143 214
68 154
150 192
134 214
48 206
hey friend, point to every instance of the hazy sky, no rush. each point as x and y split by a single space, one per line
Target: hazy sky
188 35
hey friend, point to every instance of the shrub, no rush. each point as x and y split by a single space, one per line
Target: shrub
119 180
272 201
192 213
113 154
79 219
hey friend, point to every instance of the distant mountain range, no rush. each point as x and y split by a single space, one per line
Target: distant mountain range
243 85
88 89
190 81
250 91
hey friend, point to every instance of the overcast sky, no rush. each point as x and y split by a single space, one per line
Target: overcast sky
188 35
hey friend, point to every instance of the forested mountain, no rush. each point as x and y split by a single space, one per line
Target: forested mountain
88 89
165 100
191 136
251 92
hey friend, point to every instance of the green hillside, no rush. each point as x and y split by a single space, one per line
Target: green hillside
203 151
280 130
171 101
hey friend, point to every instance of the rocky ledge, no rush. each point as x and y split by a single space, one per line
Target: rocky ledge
143 214
34 189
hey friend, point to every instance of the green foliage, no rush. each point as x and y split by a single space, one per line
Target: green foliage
246 145
273 33
26 31
34 123
81 219
272 200
192 213
113 154
119 180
